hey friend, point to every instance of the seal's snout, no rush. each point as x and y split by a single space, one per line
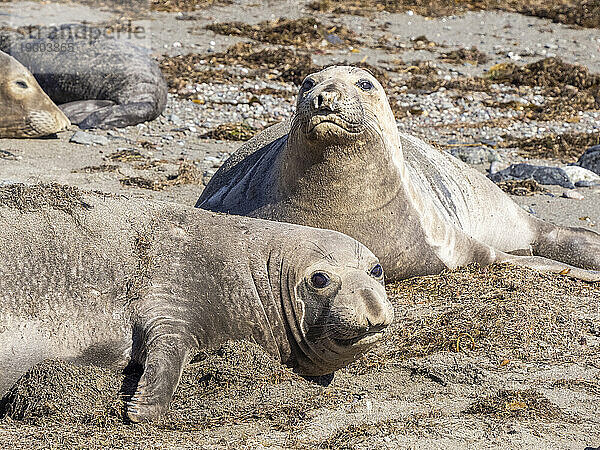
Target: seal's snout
326 101
378 312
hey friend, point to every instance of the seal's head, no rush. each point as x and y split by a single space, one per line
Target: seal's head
25 109
340 104
337 306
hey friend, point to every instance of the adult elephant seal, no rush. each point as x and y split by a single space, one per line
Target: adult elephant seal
341 164
25 110
95 279
98 83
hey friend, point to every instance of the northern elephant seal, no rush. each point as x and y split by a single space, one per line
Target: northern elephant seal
91 278
25 110
342 164
98 83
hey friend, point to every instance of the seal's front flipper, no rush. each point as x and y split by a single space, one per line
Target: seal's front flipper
119 116
166 355
79 111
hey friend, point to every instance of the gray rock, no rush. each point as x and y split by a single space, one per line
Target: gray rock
541 174
85 138
591 159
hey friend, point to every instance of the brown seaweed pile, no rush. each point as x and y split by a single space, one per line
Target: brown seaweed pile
521 404
185 5
187 173
566 147
29 198
497 310
303 32
521 187
231 132
465 55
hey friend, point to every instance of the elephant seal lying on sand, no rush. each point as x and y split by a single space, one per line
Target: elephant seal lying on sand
25 110
341 164
96 279
98 83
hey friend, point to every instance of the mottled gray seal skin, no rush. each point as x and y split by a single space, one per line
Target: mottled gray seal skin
341 164
25 109
95 279
102 83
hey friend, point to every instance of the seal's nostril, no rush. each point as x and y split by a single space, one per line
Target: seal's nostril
326 100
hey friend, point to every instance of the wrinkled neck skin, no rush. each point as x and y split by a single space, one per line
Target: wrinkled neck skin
286 306
322 170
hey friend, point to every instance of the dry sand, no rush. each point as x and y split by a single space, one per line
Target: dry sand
492 358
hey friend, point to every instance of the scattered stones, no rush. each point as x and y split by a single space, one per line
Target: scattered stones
541 174
474 155
85 138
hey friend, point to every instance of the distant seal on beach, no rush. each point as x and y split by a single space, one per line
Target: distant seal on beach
25 110
342 164
98 83
93 278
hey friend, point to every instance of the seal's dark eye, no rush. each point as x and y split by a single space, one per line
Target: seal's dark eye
308 84
22 84
320 280
376 271
365 85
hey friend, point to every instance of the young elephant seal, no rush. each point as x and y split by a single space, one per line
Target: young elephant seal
95 279
102 83
25 110
341 164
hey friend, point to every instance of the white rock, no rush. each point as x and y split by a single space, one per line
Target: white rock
576 174
574 195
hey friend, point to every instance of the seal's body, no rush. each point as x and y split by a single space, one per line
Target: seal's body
102 83
25 110
341 164
96 279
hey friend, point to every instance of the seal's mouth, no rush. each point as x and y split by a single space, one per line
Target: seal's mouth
333 121
367 337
